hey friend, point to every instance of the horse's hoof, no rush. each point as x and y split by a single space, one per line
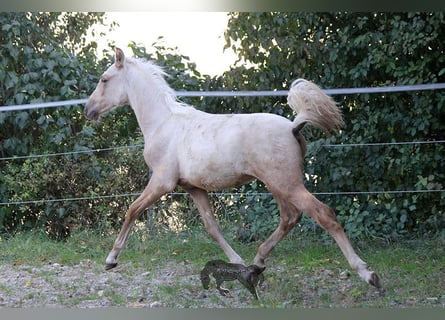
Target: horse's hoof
109 266
375 280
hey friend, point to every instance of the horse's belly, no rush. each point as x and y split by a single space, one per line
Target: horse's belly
220 183
214 181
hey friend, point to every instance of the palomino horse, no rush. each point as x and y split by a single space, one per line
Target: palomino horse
204 152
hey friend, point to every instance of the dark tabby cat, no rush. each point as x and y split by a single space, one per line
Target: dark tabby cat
223 271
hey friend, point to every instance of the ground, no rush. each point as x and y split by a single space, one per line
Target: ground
165 272
87 285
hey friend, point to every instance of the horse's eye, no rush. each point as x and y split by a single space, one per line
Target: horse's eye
103 80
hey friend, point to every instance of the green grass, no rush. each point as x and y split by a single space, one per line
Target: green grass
300 272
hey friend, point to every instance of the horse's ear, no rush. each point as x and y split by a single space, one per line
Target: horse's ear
119 58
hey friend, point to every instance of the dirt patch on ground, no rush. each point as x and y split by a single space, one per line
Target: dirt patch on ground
87 285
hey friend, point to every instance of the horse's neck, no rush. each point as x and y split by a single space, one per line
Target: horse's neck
151 108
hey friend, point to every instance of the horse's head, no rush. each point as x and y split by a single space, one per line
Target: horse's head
110 92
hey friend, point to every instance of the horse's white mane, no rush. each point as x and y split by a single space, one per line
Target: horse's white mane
157 74
149 65
152 68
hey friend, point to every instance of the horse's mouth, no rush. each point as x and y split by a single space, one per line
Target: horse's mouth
92 114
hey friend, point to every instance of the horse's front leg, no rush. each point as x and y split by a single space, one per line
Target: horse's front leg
201 200
151 193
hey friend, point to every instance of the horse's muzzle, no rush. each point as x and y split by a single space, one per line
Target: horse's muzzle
91 114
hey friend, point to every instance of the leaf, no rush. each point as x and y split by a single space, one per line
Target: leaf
6 27
11 80
41 120
21 119
403 218
19 97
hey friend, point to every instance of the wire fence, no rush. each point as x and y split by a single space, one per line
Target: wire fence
342 91
135 194
139 146
276 93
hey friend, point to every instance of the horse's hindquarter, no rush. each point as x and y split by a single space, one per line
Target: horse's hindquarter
220 151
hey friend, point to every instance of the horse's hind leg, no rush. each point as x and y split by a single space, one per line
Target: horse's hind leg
201 200
289 217
326 218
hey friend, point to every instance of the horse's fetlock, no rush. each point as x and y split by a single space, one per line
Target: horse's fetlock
260 262
359 265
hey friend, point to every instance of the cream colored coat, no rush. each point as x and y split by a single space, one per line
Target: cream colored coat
202 152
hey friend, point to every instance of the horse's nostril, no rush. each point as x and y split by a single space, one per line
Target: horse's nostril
91 114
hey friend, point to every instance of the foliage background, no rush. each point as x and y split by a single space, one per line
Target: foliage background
46 57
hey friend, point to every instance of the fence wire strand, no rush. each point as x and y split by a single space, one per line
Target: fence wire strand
274 93
218 194
135 146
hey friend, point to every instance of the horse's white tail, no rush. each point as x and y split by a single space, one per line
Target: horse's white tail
313 106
